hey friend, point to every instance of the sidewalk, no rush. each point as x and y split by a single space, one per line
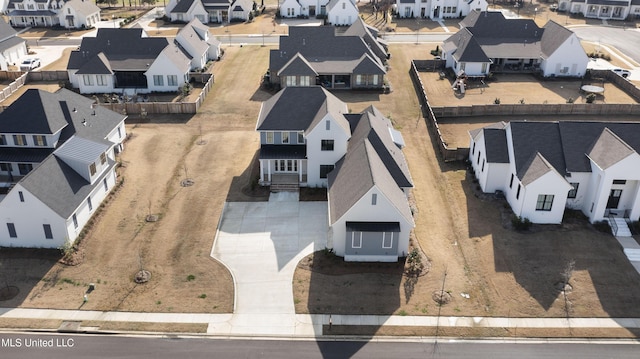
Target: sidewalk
305 325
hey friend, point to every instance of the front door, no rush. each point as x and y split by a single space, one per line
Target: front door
436 12
312 11
614 198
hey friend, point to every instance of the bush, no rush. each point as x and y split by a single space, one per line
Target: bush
602 226
591 97
520 224
570 100
496 101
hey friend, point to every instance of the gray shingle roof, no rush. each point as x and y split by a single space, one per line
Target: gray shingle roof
297 66
466 47
609 149
46 13
531 138
83 7
125 49
35 112
322 48
553 37
368 66
300 109
11 42
535 168
496 145
182 6
362 162
60 187
6 31
279 152
369 35
22 155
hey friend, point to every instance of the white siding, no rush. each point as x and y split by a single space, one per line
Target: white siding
339 16
164 67
582 178
291 8
550 183
628 169
317 157
569 56
364 211
93 87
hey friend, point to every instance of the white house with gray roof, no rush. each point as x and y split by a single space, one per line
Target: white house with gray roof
437 9
309 56
57 157
337 12
602 9
544 167
488 42
196 41
12 47
209 11
308 139
71 14
128 61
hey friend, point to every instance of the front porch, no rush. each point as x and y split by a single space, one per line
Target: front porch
283 173
515 66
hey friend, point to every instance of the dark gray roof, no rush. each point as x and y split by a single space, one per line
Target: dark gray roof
362 163
32 13
300 109
553 37
369 35
530 138
125 49
6 31
60 187
496 145
24 155
11 42
35 112
608 2
373 226
635 2
283 152
182 6
298 66
368 66
216 4
466 47
374 127
322 48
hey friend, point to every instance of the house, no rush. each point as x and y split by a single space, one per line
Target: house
488 42
57 164
209 11
437 10
128 61
12 47
79 14
601 9
369 213
337 12
74 14
303 133
308 139
544 167
311 56
196 41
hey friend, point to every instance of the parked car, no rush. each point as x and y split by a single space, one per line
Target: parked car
29 64
622 72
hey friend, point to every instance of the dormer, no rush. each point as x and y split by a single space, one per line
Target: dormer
88 158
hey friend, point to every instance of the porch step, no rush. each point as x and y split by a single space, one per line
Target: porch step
285 187
621 225
632 254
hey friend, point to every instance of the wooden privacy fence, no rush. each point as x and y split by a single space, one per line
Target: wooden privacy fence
36 76
448 153
538 109
18 82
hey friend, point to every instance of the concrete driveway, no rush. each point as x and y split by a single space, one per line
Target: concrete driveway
261 243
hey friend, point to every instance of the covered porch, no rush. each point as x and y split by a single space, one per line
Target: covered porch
515 65
38 18
606 9
334 81
283 165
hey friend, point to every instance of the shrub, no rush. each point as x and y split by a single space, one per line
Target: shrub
520 224
191 277
497 101
570 100
591 97
602 226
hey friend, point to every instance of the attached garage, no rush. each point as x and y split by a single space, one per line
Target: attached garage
372 241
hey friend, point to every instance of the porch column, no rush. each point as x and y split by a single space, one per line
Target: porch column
261 171
299 170
635 207
333 81
269 170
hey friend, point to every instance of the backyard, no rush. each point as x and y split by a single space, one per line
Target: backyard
503 272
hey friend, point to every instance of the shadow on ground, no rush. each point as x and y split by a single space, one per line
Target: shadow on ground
24 269
245 188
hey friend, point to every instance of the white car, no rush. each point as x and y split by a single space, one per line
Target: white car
622 72
29 64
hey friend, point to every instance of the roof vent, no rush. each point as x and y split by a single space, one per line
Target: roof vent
84 122
304 42
74 110
525 26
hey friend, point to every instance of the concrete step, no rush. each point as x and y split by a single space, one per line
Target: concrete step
632 254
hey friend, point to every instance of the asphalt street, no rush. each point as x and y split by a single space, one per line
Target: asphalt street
55 346
627 41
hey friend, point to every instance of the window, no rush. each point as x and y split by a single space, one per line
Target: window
304 80
172 80
387 240
463 65
376 79
544 202
68 10
374 199
358 79
484 67
101 80
47 231
482 170
478 162
24 168
89 204
518 192
619 181
356 239
3 140
300 137
269 137
6 167
88 80
119 133
20 140
473 149
327 125
12 230
158 80
344 6
285 137
21 196
573 192
326 145
511 181
103 158
105 184
39 140
92 169
291 80
324 170
75 221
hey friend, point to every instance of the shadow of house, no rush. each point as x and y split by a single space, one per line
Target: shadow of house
25 268
245 188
